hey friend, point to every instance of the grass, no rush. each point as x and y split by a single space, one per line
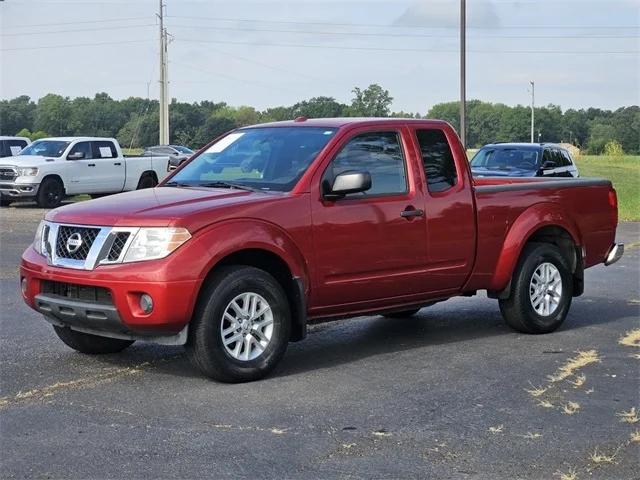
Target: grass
631 338
629 417
571 474
582 359
624 173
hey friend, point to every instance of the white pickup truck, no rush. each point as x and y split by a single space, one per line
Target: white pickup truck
50 169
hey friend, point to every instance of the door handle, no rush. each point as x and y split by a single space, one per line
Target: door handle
118 163
411 212
91 165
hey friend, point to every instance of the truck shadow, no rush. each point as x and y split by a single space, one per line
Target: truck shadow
341 342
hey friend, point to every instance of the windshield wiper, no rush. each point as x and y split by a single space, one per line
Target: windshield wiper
225 184
177 184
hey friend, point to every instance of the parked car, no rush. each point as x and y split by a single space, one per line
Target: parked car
10 146
523 160
340 217
177 154
52 168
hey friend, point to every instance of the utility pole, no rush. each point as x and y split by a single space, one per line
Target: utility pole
533 89
164 87
463 72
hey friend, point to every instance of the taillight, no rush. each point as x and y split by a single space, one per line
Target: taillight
613 198
613 203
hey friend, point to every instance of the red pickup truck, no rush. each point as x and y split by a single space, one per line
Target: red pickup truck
274 226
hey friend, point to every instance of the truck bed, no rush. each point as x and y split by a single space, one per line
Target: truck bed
582 205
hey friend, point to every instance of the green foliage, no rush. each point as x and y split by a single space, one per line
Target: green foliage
134 121
373 101
613 149
33 136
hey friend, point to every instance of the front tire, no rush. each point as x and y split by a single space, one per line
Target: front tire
90 344
50 193
241 326
541 290
4 201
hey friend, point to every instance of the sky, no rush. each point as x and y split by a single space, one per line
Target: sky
267 53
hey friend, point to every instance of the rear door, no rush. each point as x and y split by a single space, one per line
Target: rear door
449 210
109 167
371 245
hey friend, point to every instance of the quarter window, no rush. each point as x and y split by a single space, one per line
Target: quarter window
14 147
437 160
380 154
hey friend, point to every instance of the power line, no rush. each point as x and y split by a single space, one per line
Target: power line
77 30
416 35
72 45
367 25
388 49
104 20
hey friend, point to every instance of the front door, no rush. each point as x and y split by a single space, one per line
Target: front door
371 245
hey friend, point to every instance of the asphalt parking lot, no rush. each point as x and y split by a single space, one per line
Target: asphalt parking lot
450 393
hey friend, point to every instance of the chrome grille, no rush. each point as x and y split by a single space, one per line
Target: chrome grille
118 245
86 235
8 173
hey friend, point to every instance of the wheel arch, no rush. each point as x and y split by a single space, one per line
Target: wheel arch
54 176
262 246
541 223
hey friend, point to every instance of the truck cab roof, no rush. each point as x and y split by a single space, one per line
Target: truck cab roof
339 122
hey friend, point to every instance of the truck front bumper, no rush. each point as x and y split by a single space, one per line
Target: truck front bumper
18 190
106 302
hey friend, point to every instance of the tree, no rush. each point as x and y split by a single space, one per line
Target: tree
16 114
373 101
318 107
54 114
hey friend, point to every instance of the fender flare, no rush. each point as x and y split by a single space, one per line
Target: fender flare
527 224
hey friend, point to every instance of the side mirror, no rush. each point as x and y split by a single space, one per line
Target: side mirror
345 183
549 165
75 156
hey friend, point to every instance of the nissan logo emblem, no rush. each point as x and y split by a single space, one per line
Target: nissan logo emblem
74 242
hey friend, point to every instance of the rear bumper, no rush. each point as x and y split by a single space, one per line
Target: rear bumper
614 254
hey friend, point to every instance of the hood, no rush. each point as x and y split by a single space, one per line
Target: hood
26 160
192 208
487 172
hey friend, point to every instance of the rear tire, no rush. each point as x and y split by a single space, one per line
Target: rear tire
50 193
146 181
403 314
4 201
541 290
217 322
90 344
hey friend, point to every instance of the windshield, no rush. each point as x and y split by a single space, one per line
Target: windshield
182 149
506 159
46 148
269 158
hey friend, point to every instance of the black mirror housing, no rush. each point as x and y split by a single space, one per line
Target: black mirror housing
345 183
548 165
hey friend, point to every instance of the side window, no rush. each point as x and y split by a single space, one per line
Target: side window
14 147
567 158
547 156
104 150
559 159
84 147
437 160
380 154
3 149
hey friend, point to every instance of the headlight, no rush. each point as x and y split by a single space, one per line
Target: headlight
27 172
37 241
154 243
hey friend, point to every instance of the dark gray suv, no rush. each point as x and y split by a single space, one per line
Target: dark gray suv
523 160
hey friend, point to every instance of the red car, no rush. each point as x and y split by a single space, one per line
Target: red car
274 226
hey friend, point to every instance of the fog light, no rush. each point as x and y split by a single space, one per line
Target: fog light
146 303
24 285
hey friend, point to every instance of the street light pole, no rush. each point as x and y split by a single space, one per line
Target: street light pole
463 72
533 89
